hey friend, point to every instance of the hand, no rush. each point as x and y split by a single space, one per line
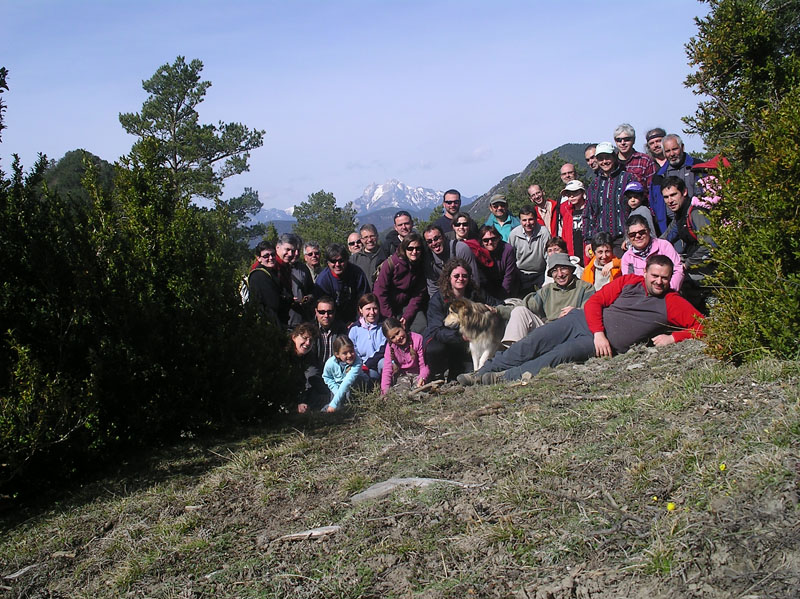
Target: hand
490 308
420 382
402 320
607 269
329 409
601 345
624 245
587 250
302 408
662 340
395 369
565 310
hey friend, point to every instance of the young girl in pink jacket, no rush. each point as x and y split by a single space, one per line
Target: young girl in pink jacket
404 356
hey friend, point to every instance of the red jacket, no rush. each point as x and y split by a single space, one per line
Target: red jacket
552 226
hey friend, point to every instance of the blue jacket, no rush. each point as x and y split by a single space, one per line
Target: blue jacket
657 205
368 339
504 229
345 291
340 377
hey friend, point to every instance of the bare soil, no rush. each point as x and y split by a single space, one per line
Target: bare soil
660 473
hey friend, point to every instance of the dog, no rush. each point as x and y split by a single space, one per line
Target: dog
479 325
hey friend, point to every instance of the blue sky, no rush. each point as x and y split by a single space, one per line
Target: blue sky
437 94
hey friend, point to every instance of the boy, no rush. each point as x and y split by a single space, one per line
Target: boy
604 267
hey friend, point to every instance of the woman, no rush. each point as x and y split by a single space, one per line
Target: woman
401 287
642 246
268 294
368 337
301 342
500 275
462 223
445 349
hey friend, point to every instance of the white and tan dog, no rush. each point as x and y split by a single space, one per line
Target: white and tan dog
479 325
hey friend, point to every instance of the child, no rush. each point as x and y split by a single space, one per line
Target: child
403 355
604 267
637 204
341 370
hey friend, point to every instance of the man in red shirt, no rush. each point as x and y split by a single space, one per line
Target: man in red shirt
629 310
546 210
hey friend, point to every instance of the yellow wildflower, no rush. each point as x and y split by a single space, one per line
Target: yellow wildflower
670 507
722 467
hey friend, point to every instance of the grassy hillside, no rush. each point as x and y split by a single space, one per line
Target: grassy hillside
660 473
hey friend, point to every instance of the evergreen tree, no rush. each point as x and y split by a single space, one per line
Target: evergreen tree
321 220
198 157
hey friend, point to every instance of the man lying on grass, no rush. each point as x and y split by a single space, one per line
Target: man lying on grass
629 310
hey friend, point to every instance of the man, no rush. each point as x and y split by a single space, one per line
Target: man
654 148
546 210
403 225
343 282
312 256
551 302
354 242
294 276
567 174
329 327
629 310
641 166
451 205
529 241
605 209
685 231
589 153
371 255
572 219
441 251
500 218
679 164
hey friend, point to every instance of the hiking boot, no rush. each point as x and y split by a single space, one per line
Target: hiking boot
492 378
468 379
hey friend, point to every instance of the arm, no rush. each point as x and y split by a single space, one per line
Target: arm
352 373
436 329
382 288
681 313
510 272
424 371
388 371
419 297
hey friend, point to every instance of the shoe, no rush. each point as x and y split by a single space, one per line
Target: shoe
492 378
468 379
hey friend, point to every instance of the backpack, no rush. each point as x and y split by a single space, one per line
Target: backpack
244 284
380 266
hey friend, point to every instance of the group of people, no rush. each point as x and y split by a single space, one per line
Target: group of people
591 272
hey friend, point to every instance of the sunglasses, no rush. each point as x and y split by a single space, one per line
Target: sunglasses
621 139
638 234
268 256
433 240
490 239
337 260
461 224
325 312
414 248
353 243
451 202
312 253
456 275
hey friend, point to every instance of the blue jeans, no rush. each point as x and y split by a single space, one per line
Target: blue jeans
566 339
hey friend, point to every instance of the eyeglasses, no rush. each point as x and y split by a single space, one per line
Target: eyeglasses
268 256
621 139
312 254
490 239
414 248
433 240
354 243
457 275
337 260
368 237
325 312
461 224
451 202
638 234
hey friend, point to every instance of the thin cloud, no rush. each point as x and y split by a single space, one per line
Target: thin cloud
477 155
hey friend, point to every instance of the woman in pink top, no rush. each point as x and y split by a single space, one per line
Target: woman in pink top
404 355
642 245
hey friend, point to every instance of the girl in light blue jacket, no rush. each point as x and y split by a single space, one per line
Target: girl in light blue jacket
368 336
341 370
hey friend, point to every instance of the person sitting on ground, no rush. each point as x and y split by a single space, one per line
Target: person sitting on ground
463 227
632 309
328 328
371 254
642 246
636 201
500 218
554 300
529 241
342 371
342 281
499 275
268 295
403 358
440 251
556 245
604 266
445 348
401 287
312 256
368 336
301 357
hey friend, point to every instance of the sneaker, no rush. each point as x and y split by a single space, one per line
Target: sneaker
492 378
468 379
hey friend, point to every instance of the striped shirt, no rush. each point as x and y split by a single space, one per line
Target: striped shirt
605 204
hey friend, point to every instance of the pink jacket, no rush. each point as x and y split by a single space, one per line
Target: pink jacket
634 265
404 359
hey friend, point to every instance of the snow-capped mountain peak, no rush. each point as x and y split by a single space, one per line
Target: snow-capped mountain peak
396 194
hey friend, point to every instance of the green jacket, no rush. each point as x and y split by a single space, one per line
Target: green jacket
548 301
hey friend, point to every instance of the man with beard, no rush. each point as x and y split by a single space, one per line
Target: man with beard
679 164
629 310
654 148
440 251
371 254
